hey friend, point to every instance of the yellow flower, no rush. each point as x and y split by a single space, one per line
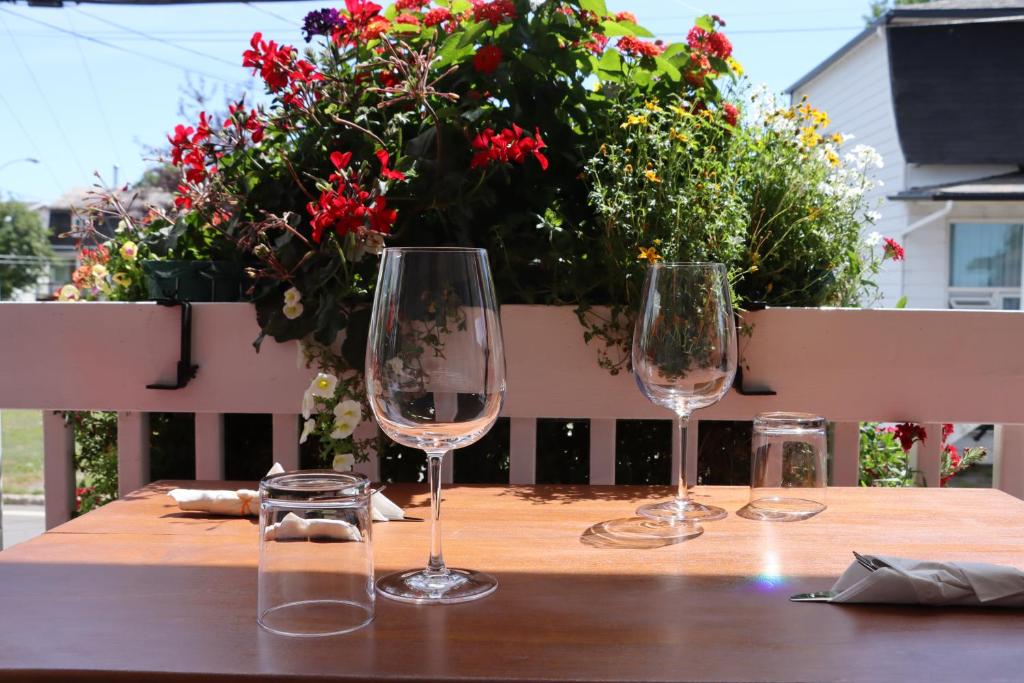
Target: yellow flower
629 168
836 138
604 150
129 250
122 279
809 137
652 176
68 293
657 242
99 271
649 254
832 157
806 109
635 120
736 67
652 105
679 111
820 118
676 135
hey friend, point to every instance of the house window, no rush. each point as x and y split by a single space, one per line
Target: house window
985 255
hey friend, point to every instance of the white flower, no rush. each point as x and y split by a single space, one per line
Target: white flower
873 216
307 404
292 296
323 385
349 410
343 462
873 239
343 429
292 311
307 428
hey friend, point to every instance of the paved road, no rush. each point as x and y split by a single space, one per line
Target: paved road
22 522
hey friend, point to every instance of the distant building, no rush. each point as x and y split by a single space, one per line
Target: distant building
938 90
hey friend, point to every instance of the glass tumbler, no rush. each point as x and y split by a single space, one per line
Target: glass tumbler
788 467
316 553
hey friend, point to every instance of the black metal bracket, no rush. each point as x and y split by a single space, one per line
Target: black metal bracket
186 371
737 382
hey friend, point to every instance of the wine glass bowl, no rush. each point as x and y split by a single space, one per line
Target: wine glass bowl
684 359
435 380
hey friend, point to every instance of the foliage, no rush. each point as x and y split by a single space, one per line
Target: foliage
878 8
22 234
95 457
885 454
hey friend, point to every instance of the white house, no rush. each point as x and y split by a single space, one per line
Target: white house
938 90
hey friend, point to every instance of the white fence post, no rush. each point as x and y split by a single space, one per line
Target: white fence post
845 453
58 468
1008 466
522 451
602 451
285 440
132 451
209 446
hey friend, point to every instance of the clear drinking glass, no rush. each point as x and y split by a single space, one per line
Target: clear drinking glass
316 554
435 379
684 359
788 467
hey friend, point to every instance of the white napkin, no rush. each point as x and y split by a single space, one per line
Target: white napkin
917 582
246 502
295 527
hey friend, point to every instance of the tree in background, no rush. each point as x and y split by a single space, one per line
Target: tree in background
25 251
879 7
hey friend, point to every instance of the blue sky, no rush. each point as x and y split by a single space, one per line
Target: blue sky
86 103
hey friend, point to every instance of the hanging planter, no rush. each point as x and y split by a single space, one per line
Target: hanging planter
195 281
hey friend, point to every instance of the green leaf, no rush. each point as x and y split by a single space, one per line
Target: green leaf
666 67
676 49
405 28
705 22
638 30
611 61
473 32
902 303
596 6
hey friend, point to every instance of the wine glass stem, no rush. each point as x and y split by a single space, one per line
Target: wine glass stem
682 424
435 565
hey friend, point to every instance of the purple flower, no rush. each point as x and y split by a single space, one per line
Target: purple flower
321 22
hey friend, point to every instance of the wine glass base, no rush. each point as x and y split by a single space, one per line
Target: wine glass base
639 533
423 587
681 511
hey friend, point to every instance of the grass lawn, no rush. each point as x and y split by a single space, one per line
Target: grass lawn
22 453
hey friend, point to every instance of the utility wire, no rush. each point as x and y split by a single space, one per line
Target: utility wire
157 39
269 13
32 142
95 92
91 39
46 102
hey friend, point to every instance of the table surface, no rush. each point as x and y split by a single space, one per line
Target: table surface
139 591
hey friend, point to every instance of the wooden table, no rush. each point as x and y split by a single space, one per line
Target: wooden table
138 591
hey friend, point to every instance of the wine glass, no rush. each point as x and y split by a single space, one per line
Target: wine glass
684 359
435 380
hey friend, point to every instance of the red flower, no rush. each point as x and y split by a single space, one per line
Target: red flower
389 79
183 200
947 429
634 47
487 59
714 43
495 11
510 145
908 434
411 4
383 156
893 249
732 114
406 18
626 16
597 43
270 60
436 16
347 207
364 23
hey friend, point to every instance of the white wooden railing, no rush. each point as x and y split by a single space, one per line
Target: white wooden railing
848 365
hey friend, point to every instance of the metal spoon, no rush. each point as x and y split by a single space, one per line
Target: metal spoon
817 596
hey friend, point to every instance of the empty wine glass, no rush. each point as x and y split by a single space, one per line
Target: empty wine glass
684 359
435 380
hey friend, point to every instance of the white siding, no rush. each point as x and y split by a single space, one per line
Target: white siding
855 92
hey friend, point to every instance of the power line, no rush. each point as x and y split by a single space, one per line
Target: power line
45 100
121 49
95 91
270 14
157 39
32 142
819 29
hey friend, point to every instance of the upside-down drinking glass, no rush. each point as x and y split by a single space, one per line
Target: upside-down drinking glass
435 379
684 359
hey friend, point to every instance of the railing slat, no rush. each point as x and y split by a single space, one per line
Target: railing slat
1008 465
522 466
132 451
929 454
58 468
285 440
209 445
602 451
845 453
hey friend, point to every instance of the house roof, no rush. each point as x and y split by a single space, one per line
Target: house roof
1006 187
921 13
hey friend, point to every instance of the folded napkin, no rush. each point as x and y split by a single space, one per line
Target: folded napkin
293 527
246 502
917 582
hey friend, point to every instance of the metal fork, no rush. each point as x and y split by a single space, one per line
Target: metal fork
869 563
